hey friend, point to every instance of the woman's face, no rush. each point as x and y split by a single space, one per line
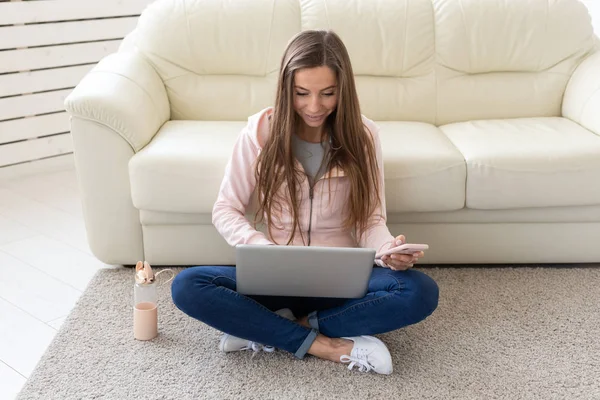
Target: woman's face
315 94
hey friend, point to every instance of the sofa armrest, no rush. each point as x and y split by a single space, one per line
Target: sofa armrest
581 102
124 93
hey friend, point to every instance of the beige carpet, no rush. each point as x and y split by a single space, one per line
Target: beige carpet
499 333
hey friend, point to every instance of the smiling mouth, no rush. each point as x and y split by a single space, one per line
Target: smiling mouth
315 117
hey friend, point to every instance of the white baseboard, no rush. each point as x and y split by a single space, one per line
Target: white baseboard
52 164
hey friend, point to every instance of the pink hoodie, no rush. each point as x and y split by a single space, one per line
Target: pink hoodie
329 198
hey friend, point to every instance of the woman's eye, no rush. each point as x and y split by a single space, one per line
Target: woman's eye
328 94
301 94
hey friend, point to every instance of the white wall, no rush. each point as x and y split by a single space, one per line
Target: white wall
46 47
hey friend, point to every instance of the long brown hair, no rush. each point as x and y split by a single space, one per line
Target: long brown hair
352 147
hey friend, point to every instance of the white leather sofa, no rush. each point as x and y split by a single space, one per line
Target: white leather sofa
489 114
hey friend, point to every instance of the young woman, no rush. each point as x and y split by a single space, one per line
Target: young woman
316 165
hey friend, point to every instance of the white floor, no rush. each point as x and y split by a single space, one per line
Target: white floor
45 265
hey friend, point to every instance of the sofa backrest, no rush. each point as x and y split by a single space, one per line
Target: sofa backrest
436 61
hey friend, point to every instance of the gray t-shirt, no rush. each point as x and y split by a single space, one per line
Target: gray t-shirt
311 156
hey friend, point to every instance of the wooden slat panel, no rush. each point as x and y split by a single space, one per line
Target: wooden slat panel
46 165
65 10
41 81
33 104
37 148
13 37
55 56
32 127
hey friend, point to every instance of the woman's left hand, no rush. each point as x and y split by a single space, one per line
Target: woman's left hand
401 262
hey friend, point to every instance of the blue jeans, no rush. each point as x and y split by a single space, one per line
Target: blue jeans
394 299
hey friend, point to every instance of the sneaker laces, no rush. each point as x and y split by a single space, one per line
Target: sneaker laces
360 359
257 348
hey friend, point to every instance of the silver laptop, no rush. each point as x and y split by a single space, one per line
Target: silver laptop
305 271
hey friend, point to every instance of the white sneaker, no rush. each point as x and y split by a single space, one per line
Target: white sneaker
233 343
369 353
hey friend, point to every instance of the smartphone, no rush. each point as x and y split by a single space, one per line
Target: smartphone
406 248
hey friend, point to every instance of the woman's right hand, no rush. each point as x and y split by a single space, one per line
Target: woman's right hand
401 262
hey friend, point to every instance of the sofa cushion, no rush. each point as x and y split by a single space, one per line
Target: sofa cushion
182 167
392 48
529 162
423 169
507 59
219 59
180 171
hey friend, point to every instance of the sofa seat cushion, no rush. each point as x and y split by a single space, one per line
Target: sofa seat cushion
528 162
181 169
423 170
